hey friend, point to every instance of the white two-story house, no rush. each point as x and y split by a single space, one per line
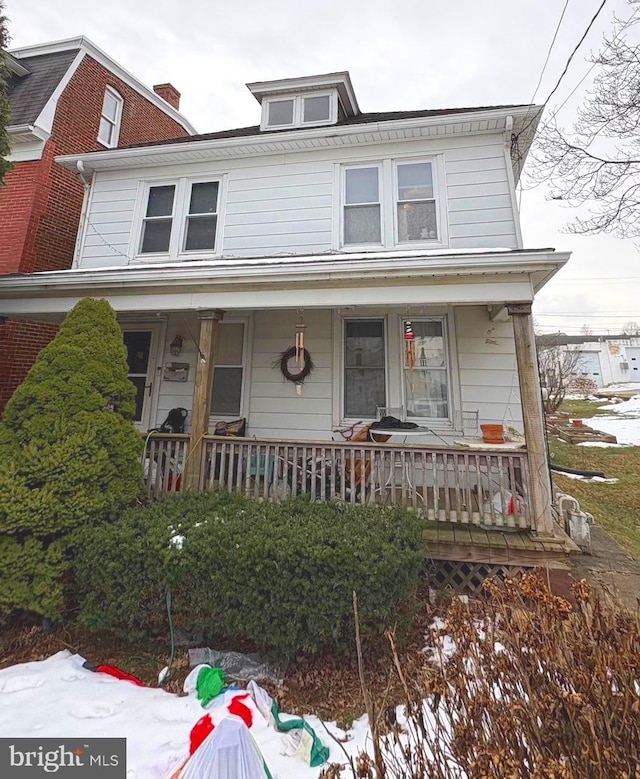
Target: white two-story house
389 241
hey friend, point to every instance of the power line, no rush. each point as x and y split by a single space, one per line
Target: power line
546 62
589 315
576 47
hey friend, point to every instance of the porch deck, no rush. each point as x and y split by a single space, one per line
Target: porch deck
477 503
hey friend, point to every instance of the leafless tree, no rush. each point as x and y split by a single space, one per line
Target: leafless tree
597 161
558 366
631 328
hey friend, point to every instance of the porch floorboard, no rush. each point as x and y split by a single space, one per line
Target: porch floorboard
524 548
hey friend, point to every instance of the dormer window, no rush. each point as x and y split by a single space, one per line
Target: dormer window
308 101
110 117
300 111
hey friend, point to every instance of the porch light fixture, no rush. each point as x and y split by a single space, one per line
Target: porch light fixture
175 347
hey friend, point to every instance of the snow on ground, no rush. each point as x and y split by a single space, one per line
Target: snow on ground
624 424
57 698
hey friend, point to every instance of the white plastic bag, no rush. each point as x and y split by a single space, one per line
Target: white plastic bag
230 752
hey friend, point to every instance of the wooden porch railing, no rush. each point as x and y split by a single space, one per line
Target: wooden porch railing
489 488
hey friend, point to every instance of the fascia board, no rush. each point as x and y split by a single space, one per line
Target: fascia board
124 157
308 270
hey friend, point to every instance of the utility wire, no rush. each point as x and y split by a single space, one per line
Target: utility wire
546 62
576 47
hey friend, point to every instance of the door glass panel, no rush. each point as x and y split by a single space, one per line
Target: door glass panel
229 351
138 343
364 372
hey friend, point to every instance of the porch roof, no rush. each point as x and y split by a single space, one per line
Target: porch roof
317 280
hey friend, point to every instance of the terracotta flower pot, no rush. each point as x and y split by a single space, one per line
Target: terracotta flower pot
577 423
492 434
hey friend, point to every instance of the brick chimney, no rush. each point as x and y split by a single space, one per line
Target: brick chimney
169 93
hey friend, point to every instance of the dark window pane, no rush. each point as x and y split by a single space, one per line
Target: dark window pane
362 224
364 343
364 391
227 392
156 236
361 185
138 344
417 221
201 233
317 109
139 382
415 181
161 201
280 112
204 198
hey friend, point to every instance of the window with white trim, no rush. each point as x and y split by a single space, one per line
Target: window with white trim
391 203
180 217
425 369
110 116
415 202
202 217
228 372
299 110
361 220
364 368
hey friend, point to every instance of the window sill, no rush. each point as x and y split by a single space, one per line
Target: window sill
107 145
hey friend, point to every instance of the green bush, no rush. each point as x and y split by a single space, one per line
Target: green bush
69 457
281 575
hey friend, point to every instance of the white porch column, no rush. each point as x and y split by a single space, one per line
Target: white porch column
533 417
207 345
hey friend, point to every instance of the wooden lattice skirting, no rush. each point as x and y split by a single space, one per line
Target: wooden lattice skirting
467 577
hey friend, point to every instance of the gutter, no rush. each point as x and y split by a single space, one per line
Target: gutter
269 139
332 268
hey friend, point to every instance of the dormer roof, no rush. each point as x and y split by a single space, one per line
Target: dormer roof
340 81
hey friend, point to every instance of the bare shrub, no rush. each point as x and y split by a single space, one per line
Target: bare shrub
558 367
583 385
536 687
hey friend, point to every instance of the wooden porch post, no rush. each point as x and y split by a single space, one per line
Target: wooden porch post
207 344
533 417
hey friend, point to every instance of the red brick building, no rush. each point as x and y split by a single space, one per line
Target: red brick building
66 97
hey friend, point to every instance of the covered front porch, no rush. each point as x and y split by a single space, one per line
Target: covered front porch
208 338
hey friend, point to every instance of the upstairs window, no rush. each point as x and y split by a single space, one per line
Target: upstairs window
200 233
158 220
109 130
305 110
416 205
362 206
392 204
180 217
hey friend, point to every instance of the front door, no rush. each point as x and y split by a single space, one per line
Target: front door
141 358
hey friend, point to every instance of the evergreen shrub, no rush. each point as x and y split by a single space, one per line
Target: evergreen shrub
69 457
280 575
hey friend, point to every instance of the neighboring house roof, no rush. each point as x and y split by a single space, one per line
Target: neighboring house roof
53 62
29 94
367 118
561 339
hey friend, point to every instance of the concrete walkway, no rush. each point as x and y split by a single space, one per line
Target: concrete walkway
610 569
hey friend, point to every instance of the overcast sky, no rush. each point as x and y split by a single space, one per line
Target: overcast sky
401 55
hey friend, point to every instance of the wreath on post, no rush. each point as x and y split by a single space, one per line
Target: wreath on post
283 363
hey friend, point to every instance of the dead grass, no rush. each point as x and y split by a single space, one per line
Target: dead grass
584 409
615 506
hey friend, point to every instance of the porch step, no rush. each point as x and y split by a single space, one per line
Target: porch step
520 549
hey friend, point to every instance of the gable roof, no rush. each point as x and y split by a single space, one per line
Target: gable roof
367 118
49 59
29 94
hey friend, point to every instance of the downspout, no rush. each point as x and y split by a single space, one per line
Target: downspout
86 183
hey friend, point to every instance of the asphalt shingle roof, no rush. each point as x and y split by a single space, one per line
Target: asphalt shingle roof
380 116
28 95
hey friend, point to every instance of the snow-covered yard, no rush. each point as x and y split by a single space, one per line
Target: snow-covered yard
57 698
623 422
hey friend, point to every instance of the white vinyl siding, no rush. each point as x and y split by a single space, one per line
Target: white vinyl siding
488 369
285 203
